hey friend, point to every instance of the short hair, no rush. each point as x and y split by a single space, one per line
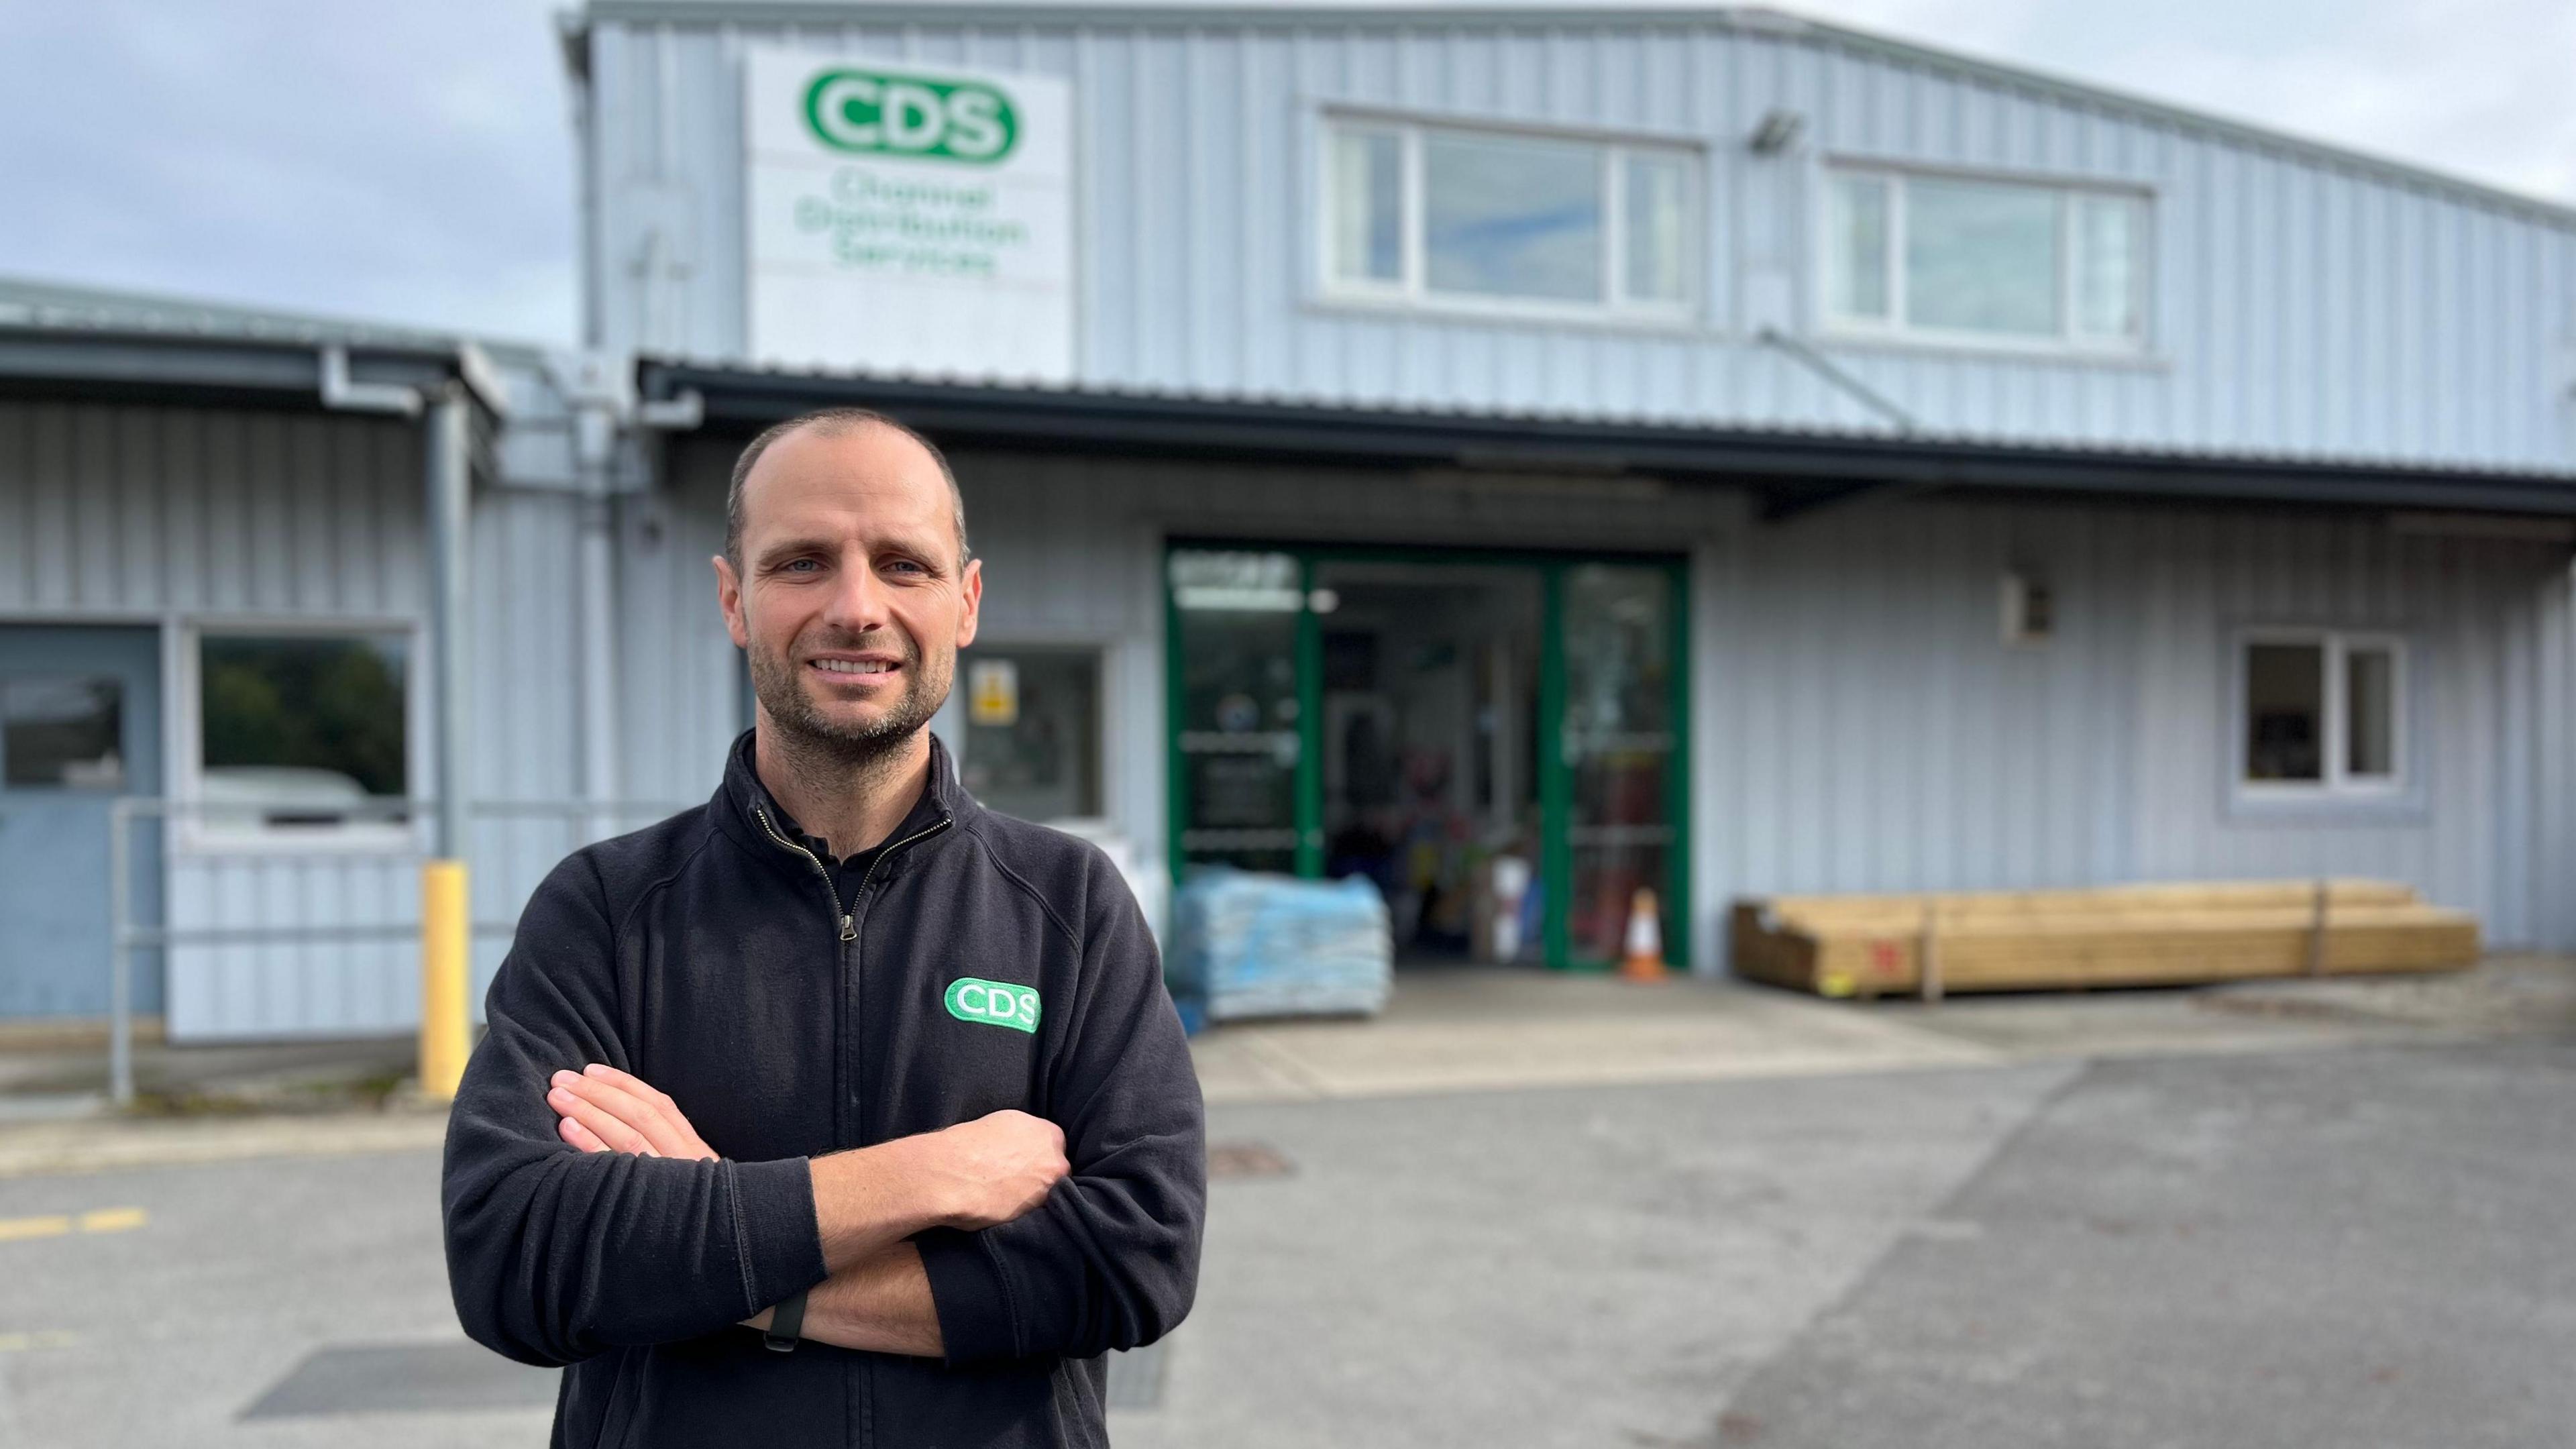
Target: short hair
832 422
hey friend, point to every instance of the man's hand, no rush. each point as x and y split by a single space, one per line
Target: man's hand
606 1110
982 1173
972 1176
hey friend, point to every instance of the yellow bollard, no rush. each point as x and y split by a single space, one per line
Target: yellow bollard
444 933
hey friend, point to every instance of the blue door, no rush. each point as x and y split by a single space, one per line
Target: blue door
80 724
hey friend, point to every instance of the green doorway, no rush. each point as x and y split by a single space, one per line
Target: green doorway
1412 714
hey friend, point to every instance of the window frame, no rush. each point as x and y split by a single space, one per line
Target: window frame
1411 291
2337 783
2069 340
189 832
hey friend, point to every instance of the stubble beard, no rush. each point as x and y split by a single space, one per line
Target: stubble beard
814 740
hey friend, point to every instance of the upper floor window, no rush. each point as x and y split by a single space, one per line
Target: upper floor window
1983 261
1502 220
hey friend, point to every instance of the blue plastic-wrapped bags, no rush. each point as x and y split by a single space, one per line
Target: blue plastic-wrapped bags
1248 944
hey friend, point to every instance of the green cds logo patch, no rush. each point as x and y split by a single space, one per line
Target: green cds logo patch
877 114
994 1003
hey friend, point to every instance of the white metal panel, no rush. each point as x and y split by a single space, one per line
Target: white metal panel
2305 303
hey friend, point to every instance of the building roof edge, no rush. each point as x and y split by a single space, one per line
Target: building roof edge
1758 20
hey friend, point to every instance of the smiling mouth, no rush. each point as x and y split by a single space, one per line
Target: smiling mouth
858 671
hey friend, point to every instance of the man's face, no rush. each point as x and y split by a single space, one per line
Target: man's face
850 603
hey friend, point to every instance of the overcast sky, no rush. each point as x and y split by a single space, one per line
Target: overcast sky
413 162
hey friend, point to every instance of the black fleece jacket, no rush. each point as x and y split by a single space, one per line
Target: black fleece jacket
715 957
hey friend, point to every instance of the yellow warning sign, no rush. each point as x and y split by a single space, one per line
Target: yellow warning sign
993 692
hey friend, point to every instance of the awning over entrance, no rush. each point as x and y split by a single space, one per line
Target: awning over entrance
1790 472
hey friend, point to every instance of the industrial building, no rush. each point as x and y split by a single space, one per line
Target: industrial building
1700 450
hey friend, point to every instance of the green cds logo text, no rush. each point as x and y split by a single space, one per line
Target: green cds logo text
994 1003
876 114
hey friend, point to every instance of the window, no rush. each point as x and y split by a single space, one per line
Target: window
62 731
2324 713
1501 220
296 733
1957 259
1032 745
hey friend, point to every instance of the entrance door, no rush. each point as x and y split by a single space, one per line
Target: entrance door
1243 771
1618 785
1328 705
80 724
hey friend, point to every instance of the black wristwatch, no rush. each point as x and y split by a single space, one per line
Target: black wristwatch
784 1322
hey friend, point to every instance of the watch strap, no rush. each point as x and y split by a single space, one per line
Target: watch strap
786 1322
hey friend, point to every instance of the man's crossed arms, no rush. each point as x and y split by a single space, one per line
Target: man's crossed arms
867 1202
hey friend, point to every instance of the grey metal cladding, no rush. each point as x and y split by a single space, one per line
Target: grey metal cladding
2308 303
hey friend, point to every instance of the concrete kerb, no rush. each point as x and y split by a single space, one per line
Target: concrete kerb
107 1143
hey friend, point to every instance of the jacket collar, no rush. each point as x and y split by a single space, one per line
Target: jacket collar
741 797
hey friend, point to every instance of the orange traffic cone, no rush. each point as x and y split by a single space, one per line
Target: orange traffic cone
1644 960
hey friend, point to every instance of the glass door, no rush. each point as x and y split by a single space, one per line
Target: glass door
1261 665
1241 641
1613 787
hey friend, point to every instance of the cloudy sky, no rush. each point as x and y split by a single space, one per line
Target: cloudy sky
413 162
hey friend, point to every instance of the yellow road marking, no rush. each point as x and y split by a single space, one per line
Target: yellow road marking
12 1229
48 1338
55 1225
113 1220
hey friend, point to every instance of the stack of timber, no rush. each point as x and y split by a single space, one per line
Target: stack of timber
2141 935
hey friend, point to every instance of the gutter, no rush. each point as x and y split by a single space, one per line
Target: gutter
342 395
1785 466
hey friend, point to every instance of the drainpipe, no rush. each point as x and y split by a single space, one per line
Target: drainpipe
445 903
595 442
447 465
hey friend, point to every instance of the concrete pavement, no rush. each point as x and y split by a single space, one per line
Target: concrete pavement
1473 1029
1544 1210
2331 1245
2336 1248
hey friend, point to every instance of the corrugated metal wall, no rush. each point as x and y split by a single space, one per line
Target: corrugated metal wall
2551 861
185 518
178 517
525 705
133 511
2304 304
1859 724
1875 733
680 677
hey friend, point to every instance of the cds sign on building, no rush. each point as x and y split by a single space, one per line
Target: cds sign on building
908 219
1700 452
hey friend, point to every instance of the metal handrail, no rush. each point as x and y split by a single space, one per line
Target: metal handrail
125 935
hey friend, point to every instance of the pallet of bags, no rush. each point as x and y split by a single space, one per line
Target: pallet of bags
2139 935
1249 944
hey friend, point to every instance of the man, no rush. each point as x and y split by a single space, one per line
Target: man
839 1110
